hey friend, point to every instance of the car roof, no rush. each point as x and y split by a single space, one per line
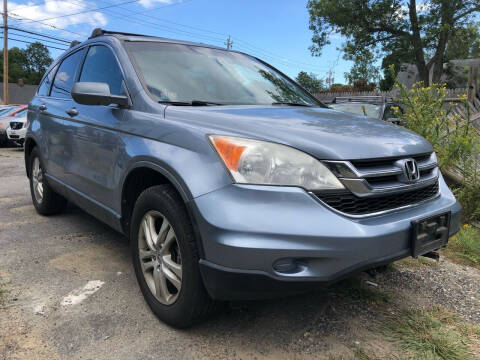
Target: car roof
99 33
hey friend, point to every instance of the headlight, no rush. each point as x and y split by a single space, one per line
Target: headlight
260 162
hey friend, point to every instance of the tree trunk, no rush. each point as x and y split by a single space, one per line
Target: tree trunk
439 57
417 44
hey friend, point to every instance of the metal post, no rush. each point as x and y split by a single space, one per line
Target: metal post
5 53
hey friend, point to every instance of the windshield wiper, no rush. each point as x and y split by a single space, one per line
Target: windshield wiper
290 104
190 103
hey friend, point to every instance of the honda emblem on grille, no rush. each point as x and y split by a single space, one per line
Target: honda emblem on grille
411 173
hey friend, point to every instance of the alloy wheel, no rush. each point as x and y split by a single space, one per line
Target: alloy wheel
160 257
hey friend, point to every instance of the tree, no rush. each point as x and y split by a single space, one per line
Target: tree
377 25
310 82
38 60
363 68
28 64
464 43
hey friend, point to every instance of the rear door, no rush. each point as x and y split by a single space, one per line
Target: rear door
52 109
96 143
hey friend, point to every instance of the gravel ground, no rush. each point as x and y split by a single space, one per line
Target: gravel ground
44 262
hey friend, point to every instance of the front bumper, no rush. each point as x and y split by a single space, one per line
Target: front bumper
245 230
17 136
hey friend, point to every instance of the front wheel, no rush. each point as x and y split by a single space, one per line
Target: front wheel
165 258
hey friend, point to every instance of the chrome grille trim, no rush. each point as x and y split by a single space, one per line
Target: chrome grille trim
385 178
345 169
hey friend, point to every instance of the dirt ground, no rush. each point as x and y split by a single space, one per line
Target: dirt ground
69 292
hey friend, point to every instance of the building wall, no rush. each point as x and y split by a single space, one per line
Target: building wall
18 94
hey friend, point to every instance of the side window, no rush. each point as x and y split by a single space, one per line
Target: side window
44 88
101 66
67 75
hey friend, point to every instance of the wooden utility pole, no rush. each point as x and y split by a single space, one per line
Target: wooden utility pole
5 53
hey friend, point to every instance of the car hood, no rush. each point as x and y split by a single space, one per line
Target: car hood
324 133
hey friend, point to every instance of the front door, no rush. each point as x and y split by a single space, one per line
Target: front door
96 143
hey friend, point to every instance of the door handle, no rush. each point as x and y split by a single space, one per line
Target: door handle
42 107
72 112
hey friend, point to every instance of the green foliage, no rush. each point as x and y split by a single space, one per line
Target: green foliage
28 64
464 43
310 82
384 25
363 68
455 140
358 86
429 334
465 246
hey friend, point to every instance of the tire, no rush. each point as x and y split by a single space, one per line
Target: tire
49 203
191 303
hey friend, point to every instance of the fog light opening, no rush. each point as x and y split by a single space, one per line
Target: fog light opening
287 266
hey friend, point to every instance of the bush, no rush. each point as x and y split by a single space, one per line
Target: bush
454 139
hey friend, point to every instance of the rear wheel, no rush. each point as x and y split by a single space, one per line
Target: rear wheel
165 258
45 200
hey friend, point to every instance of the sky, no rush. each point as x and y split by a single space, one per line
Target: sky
273 30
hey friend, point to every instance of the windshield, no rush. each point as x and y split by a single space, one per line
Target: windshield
186 73
365 109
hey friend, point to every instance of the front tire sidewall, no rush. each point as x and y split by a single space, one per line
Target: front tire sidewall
162 199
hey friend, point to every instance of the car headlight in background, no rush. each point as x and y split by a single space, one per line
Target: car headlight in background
265 163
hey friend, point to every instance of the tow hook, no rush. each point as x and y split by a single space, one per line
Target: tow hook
432 255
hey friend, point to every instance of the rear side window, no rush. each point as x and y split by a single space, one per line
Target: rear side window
101 66
67 75
44 88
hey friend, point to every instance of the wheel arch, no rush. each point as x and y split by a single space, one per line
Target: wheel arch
142 175
29 145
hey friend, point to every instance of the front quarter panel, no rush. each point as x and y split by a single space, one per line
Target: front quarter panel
177 151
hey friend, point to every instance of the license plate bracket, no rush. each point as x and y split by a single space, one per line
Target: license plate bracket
430 233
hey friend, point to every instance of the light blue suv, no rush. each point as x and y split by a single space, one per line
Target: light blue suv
230 180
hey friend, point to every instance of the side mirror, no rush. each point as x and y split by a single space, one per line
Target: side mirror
96 93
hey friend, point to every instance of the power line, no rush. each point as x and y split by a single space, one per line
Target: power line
39 39
29 42
40 22
256 49
40 34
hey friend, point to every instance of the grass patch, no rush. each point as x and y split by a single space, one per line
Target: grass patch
432 334
419 262
356 290
464 248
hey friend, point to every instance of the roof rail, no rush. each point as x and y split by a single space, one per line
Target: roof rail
74 43
99 32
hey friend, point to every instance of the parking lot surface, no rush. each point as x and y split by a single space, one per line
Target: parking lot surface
69 292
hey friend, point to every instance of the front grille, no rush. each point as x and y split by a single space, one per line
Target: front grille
348 203
15 125
362 164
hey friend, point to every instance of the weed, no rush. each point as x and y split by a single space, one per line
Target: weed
429 334
464 247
